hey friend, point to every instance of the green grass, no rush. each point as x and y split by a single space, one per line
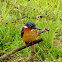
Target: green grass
11 22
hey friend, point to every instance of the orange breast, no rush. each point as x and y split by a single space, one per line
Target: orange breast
29 35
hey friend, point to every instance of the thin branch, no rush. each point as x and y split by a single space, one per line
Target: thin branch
18 49
42 31
22 47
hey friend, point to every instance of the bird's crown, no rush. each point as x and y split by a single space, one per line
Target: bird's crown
31 24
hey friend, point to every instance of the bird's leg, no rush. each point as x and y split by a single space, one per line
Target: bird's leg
25 44
32 43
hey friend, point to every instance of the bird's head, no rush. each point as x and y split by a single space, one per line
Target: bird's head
30 25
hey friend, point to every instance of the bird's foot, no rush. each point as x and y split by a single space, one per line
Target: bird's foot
32 43
25 44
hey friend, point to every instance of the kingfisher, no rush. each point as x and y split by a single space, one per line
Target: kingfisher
29 33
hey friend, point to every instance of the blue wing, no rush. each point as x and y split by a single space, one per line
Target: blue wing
22 32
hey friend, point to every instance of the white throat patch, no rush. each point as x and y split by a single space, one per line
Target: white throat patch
32 29
25 27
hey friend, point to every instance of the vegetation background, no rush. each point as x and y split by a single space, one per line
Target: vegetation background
13 16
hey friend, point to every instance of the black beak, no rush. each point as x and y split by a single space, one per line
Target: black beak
37 28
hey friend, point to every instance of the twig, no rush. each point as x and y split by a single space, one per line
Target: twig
18 49
22 47
43 30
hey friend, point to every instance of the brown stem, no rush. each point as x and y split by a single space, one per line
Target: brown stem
22 47
19 49
42 31
32 53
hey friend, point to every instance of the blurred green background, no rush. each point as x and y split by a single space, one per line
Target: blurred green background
13 16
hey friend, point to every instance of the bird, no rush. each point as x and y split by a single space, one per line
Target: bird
29 33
